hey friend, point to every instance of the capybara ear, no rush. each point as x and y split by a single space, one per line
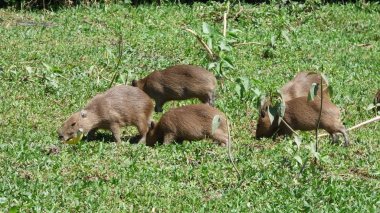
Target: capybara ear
134 83
152 124
83 113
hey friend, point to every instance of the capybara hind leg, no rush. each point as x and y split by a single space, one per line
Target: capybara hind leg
115 129
220 137
208 99
158 106
168 139
334 138
143 130
345 136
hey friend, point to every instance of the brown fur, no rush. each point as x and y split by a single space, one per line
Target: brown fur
192 122
376 100
179 82
111 110
300 85
301 114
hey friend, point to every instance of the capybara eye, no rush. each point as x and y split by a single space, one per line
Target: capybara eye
73 124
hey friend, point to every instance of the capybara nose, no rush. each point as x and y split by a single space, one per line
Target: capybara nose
60 137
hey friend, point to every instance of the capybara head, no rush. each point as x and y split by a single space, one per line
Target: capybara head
72 125
151 136
264 127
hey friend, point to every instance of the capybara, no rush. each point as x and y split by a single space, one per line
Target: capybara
179 82
117 107
300 85
301 114
191 122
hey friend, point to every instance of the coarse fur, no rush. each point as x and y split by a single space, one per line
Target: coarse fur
179 82
300 85
301 114
115 108
191 122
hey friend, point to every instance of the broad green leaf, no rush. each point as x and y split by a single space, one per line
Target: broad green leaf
272 112
325 79
372 106
281 109
29 69
224 46
298 159
209 42
313 92
297 140
3 200
206 28
13 209
227 61
245 82
273 41
215 124
238 90
211 65
285 34
325 159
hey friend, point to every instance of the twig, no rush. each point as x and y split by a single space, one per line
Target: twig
282 120
120 50
247 43
229 149
210 53
238 13
225 19
377 118
319 118
225 24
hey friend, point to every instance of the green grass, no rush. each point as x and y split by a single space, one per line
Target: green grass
47 73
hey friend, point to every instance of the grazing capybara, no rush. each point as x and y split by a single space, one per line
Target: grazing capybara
191 122
376 100
300 85
115 108
178 82
301 114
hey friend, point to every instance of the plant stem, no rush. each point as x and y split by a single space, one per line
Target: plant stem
319 117
120 55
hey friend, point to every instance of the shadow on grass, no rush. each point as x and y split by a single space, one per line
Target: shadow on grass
108 138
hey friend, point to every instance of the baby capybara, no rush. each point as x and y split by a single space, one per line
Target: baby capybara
300 85
178 82
301 114
191 122
115 108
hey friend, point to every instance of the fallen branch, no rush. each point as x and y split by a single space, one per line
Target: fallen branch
377 118
225 15
229 149
282 120
210 53
247 43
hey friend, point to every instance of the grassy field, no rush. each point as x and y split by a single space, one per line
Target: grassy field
52 63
